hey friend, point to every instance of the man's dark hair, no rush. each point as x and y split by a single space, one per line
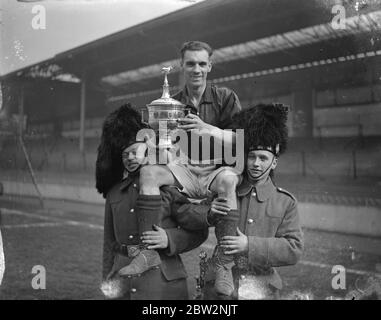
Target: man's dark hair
195 46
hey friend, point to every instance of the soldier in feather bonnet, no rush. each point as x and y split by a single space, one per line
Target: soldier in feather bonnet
118 132
138 232
269 233
265 127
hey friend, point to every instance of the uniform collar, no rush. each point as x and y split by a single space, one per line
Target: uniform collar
207 96
127 181
263 191
244 188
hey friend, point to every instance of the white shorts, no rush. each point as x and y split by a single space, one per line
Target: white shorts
196 180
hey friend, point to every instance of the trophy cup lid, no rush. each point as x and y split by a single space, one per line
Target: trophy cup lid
166 97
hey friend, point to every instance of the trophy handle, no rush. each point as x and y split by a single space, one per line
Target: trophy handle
142 115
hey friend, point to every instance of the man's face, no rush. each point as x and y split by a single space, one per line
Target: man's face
258 162
134 156
196 65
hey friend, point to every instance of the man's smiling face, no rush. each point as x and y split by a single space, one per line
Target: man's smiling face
196 65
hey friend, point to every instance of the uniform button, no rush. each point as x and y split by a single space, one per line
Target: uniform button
242 277
133 290
250 221
135 185
130 236
132 210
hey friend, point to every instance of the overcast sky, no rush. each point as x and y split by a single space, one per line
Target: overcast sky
69 23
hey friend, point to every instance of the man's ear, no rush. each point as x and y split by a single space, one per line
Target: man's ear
210 66
275 162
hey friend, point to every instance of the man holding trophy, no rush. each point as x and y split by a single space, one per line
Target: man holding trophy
203 174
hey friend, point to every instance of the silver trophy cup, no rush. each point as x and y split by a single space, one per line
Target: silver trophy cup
163 115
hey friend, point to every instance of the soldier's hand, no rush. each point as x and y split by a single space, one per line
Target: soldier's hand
235 244
156 239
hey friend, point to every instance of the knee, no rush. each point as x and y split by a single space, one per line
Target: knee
148 174
226 180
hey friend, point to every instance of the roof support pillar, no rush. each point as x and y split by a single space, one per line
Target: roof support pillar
21 110
82 114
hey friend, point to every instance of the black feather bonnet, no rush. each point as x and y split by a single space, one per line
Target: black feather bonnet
265 127
118 132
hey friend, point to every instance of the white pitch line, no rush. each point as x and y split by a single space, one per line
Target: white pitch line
84 224
52 219
32 225
320 265
354 271
27 214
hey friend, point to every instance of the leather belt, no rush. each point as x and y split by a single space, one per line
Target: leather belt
129 250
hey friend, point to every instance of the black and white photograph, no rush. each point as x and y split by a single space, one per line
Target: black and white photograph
190 150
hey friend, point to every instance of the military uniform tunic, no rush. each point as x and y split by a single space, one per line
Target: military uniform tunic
269 217
120 227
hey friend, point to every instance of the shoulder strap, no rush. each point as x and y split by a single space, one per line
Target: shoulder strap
286 192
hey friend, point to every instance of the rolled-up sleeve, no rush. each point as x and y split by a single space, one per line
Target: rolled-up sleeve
231 106
285 248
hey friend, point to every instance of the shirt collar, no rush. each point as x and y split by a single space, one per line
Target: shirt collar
207 96
263 191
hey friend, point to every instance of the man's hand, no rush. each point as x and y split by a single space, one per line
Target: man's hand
156 239
235 244
193 122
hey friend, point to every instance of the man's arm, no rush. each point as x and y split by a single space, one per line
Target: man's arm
285 248
192 229
108 241
180 240
189 216
230 106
